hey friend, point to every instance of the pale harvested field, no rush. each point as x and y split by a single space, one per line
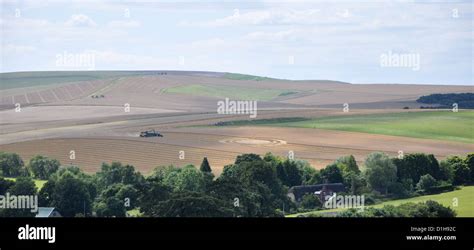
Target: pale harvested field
144 155
222 145
39 114
50 93
42 122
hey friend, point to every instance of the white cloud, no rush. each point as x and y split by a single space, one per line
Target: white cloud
263 17
124 24
80 20
17 49
19 24
290 34
108 58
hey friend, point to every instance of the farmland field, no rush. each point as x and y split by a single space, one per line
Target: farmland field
100 115
28 79
182 106
441 125
236 76
232 92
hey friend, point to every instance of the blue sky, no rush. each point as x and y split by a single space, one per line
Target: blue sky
336 40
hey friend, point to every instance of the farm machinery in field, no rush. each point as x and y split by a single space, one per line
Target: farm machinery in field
150 133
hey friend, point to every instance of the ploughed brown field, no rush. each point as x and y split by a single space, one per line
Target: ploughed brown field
59 118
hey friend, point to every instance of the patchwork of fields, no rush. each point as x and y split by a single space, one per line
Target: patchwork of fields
440 125
63 116
231 92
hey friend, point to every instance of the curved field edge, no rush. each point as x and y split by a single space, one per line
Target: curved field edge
439 125
238 76
464 198
233 92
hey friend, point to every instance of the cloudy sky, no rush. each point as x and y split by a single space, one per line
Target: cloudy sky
337 40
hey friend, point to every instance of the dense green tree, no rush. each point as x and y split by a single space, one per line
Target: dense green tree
70 169
380 172
354 182
71 196
205 167
426 182
435 209
402 189
118 173
45 195
261 177
153 192
331 174
180 179
469 161
110 207
428 209
253 201
5 184
310 202
351 177
398 190
349 164
206 171
230 171
43 167
11 165
259 171
191 179
235 195
306 171
454 159
413 166
461 173
21 187
446 172
454 167
288 173
269 157
316 178
464 100
247 158
127 196
191 204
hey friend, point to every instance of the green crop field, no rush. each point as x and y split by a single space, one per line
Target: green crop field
463 196
441 125
236 76
228 91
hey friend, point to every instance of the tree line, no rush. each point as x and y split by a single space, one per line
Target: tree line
253 186
464 100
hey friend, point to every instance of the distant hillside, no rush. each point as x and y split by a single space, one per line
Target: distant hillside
37 78
236 76
464 100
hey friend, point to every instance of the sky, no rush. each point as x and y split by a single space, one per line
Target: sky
423 42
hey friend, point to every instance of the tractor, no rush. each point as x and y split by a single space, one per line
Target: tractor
150 133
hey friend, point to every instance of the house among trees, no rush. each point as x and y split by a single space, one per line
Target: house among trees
321 190
47 212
